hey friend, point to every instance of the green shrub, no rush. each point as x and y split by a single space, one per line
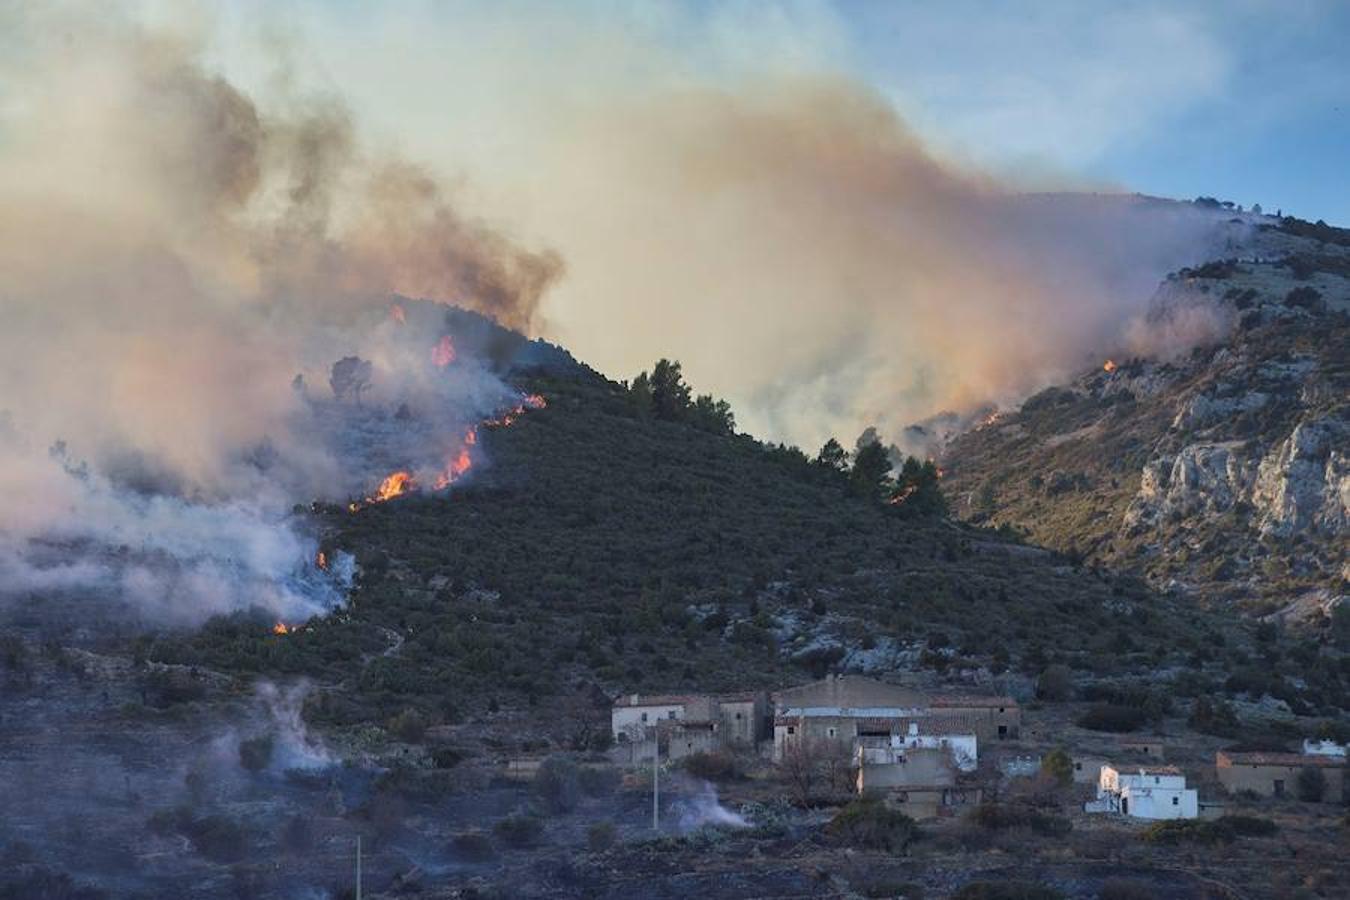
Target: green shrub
869 823
600 836
1058 766
409 726
1189 831
558 784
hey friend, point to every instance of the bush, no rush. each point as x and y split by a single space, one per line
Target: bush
256 753
600 836
1311 785
1055 684
473 846
869 823
1189 831
1006 890
519 830
1058 766
1248 826
409 726
1111 718
999 817
558 784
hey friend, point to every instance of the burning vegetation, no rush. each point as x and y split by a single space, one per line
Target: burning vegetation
1109 366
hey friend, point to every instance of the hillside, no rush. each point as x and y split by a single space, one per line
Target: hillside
1223 475
602 550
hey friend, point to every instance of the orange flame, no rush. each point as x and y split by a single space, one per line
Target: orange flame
1109 366
460 463
281 628
396 313
392 486
321 560
443 354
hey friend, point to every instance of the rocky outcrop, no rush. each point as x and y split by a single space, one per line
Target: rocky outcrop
1304 483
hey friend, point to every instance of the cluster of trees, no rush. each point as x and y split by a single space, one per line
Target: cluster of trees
665 395
914 490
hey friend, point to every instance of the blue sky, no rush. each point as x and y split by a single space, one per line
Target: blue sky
1248 101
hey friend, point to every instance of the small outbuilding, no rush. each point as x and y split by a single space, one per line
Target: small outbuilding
1145 792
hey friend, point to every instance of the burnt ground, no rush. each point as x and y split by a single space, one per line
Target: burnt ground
126 794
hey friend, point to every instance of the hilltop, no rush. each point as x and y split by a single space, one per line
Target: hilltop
1221 475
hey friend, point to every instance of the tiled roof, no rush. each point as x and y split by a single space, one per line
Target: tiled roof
1297 760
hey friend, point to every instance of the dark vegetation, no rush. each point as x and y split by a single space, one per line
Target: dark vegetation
606 547
869 823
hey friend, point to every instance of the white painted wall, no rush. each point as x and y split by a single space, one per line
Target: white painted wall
633 720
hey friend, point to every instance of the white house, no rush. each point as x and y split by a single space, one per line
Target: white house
1145 792
1323 748
632 715
962 748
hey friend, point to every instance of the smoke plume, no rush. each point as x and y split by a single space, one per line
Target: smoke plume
174 251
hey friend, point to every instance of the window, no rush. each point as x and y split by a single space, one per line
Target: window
792 729
671 714
1157 780
832 733
644 717
1078 767
1279 787
1000 709
1176 801
738 717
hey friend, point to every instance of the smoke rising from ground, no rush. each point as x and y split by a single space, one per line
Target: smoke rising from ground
176 247
174 250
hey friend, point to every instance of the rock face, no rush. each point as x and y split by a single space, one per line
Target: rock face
1224 471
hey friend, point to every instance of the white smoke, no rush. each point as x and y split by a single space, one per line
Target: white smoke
701 808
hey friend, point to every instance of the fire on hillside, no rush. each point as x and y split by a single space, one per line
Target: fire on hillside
459 462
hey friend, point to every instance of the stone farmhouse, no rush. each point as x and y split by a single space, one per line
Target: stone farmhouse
1276 774
926 771
1145 792
843 709
685 724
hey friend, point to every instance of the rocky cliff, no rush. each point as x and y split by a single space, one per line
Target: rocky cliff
1222 470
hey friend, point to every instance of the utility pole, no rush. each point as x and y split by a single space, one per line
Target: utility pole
358 867
656 782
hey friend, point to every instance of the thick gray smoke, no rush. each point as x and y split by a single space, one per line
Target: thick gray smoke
173 253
